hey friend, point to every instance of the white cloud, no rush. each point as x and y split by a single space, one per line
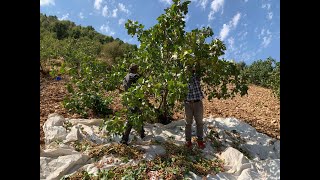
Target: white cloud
200 26
242 35
268 32
266 36
266 41
112 2
107 30
81 15
269 13
186 19
64 17
261 33
203 3
121 21
247 56
269 16
114 12
97 4
232 24
123 8
245 0
46 2
105 11
266 6
236 53
231 43
169 2
216 5
210 16
236 19
224 31
242 47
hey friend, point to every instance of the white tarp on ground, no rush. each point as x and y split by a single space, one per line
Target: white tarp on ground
59 158
55 163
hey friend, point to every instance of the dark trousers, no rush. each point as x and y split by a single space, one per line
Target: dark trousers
125 136
194 110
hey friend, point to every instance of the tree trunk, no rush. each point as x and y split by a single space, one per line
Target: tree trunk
163 115
165 107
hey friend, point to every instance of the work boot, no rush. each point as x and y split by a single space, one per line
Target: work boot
201 144
188 144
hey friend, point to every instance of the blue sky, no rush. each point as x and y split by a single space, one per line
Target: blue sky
249 28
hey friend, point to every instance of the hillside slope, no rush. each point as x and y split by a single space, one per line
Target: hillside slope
259 108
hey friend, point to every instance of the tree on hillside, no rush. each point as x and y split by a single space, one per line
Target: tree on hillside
274 81
265 73
112 50
61 29
241 65
259 71
49 49
166 52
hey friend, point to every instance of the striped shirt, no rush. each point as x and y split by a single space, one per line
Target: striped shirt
194 89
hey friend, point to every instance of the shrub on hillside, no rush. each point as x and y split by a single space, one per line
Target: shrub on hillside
265 73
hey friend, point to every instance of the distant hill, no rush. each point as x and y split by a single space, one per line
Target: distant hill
56 35
62 29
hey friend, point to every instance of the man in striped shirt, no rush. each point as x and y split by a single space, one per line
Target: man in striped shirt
194 109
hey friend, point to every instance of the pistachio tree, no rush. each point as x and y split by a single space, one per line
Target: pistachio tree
165 56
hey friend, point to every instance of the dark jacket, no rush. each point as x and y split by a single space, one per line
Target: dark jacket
130 79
